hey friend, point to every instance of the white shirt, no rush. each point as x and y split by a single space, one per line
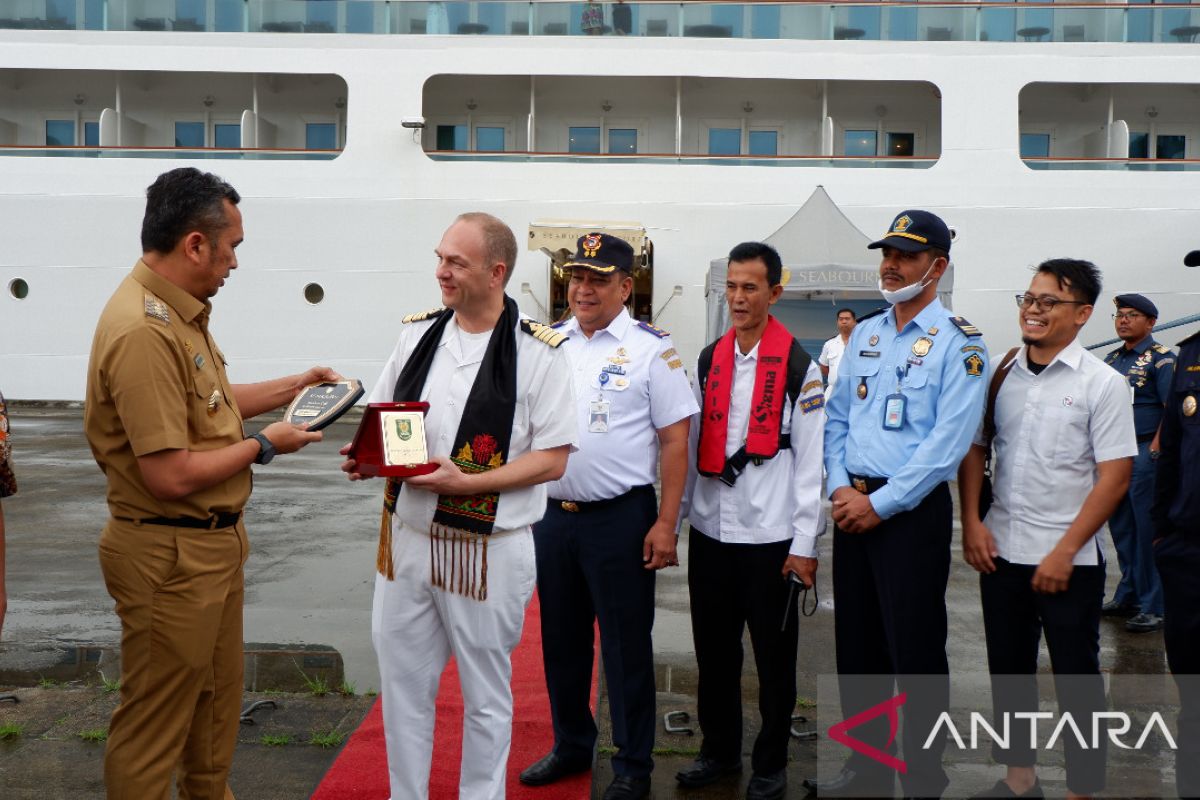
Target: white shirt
1051 431
831 356
645 388
543 391
781 498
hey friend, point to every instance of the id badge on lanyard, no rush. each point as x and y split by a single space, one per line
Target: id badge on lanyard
894 405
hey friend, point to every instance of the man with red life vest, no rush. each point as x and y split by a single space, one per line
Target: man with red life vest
754 506
909 398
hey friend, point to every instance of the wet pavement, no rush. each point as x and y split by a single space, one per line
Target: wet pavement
309 582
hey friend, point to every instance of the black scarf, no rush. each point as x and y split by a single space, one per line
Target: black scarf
481 444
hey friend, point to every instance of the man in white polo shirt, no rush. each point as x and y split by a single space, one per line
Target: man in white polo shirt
832 350
1065 443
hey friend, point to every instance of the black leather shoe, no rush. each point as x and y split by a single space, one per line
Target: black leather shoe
1114 609
625 787
767 787
705 771
552 768
848 783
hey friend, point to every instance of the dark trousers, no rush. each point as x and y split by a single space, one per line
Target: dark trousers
734 587
1014 617
589 570
1178 558
1132 530
889 587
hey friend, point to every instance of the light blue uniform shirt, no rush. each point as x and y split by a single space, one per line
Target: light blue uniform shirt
945 391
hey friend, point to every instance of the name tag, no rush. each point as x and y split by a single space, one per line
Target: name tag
893 412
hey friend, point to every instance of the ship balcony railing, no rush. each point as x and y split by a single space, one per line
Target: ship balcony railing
514 157
1114 164
212 153
1024 22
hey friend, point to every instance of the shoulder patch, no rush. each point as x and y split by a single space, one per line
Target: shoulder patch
157 309
423 315
971 348
806 388
811 404
1166 362
875 313
543 333
967 328
652 329
974 365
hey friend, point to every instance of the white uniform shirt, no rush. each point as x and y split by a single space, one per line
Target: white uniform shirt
1051 431
543 392
781 498
831 356
646 388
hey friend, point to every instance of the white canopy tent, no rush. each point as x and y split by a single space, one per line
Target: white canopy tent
826 256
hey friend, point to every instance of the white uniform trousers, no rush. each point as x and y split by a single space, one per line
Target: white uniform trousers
416 627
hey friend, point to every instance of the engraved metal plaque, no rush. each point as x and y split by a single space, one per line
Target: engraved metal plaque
322 403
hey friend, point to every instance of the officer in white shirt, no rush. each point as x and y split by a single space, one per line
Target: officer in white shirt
754 508
452 583
1064 447
832 350
605 534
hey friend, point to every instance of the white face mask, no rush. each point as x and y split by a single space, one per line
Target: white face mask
906 293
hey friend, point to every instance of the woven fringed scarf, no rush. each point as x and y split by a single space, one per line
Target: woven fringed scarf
461 525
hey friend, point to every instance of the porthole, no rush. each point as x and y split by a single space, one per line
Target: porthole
18 288
314 293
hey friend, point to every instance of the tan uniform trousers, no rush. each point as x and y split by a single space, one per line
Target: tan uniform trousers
179 595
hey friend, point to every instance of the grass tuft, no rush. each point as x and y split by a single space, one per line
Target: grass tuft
94 735
276 739
10 730
347 688
327 738
47 683
316 685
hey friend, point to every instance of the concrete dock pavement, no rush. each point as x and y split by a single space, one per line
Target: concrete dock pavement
309 583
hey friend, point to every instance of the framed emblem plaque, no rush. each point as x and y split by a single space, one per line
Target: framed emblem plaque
390 441
322 403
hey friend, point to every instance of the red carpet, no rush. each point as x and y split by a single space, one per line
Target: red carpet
360 771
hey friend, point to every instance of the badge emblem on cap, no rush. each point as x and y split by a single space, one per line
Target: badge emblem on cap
901 224
591 245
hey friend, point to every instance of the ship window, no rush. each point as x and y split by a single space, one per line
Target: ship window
60 133
451 137
764 143
360 17
583 139
1035 145
1170 146
901 144
18 288
189 15
622 140
320 136
228 15
314 293
861 143
227 135
724 141
189 134
1139 145
489 139
91 134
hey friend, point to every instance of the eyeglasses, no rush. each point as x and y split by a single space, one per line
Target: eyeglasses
1045 302
1129 315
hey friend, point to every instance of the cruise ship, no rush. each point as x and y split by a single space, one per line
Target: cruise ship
356 130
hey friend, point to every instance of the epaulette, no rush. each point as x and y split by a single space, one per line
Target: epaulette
423 315
969 330
869 314
652 329
157 309
543 333
1161 349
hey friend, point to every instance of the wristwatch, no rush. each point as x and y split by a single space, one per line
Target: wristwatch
1154 455
266 451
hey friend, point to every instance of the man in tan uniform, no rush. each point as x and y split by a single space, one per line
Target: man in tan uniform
165 426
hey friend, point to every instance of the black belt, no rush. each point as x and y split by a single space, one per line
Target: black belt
581 506
1146 437
222 519
867 485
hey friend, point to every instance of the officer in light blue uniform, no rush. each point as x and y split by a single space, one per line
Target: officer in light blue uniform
908 400
1149 368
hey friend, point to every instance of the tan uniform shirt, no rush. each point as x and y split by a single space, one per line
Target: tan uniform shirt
156 381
